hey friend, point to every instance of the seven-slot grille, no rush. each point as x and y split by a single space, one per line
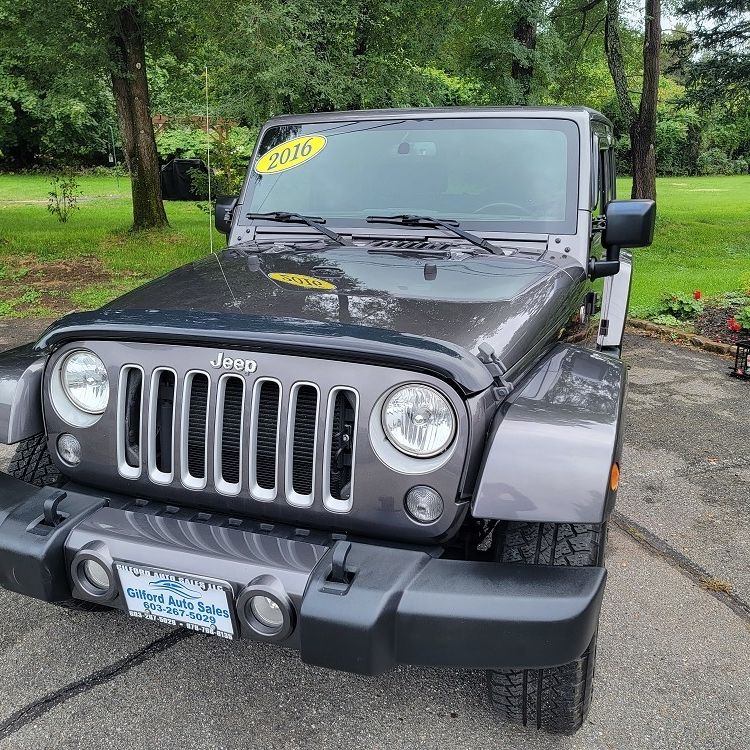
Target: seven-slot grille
238 436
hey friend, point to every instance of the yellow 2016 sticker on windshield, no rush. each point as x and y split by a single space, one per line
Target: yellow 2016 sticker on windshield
298 279
290 154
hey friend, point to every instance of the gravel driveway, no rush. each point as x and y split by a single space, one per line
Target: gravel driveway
673 668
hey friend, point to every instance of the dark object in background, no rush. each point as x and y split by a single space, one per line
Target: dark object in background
177 182
742 360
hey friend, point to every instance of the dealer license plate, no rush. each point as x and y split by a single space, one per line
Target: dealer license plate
174 599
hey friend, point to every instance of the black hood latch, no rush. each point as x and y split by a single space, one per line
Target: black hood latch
496 367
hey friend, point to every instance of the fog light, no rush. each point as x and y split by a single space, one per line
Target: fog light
69 449
267 612
424 504
96 574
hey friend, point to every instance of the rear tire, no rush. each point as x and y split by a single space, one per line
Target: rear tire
556 699
32 463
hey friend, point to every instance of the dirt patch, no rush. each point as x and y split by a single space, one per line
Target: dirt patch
712 324
28 283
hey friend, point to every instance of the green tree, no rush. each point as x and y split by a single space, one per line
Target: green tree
641 120
51 111
107 39
715 53
294 56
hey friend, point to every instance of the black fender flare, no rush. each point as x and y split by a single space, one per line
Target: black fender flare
552 444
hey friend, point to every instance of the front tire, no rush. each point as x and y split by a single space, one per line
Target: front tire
32 463
555 699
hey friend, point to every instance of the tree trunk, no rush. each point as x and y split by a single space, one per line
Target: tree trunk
522 69
130 88
643 131
641 123
359 52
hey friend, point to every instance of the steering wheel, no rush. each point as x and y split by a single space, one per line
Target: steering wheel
506 204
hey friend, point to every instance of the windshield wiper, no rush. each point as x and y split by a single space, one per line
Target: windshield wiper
449 225
316 222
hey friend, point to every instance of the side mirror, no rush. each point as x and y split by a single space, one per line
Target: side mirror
225 205
628 224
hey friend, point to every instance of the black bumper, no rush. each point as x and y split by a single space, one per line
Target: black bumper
383 606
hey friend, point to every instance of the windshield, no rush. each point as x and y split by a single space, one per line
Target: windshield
517 175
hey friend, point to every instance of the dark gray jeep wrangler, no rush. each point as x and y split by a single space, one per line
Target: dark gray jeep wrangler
356 431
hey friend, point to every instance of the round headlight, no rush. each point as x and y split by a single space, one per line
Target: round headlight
418 420
84 380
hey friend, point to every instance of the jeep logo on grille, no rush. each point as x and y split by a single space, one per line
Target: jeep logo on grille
234 363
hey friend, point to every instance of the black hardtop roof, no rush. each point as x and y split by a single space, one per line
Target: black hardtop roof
579 114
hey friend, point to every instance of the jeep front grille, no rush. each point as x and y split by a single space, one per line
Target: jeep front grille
272 436
206 431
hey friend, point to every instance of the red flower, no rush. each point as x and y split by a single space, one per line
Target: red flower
733 325
697 294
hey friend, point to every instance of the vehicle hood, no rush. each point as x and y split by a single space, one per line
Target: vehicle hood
509 303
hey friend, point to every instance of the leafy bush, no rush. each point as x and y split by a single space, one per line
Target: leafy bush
681 306
101 171
666 320
734 299
743 318
677 142
181 143
230 155
63 198
716 162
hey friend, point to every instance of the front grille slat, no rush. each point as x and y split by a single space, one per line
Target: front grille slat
132 417
196 426
268 398
340 449
231 430
303 441
161 418
129 425
301 444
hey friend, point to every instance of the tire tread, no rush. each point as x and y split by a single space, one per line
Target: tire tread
32 463
555 699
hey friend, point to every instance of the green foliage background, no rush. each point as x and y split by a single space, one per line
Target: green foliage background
266 57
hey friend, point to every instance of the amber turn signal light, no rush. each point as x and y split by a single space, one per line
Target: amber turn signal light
614 477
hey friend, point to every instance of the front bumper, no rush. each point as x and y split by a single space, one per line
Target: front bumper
354 606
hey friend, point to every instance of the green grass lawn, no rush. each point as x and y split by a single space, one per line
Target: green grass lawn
47 268
702 239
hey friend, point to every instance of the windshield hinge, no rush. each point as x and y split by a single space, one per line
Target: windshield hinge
599 223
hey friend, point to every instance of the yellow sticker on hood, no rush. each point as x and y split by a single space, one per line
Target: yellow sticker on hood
290 154
298 279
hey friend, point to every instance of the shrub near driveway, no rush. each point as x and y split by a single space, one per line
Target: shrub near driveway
47 268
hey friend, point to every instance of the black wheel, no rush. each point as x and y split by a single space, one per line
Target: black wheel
32 463
555 699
